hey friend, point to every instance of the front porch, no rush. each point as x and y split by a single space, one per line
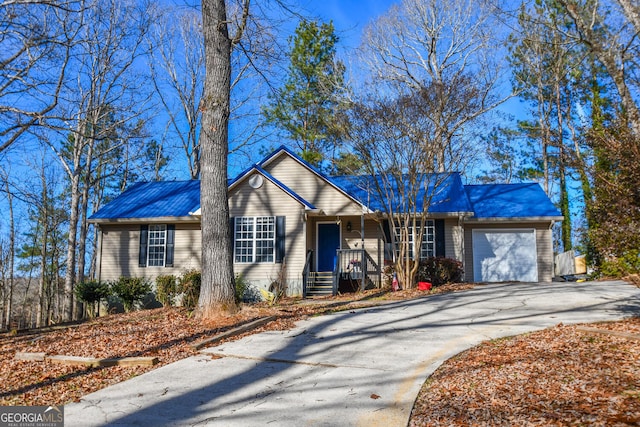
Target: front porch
344 254
355 270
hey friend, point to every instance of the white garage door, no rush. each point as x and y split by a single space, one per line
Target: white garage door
505 255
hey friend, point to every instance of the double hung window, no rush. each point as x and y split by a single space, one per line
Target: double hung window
254 239
157 245
426 247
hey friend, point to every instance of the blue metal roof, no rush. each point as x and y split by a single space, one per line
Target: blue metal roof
448 197
180 198
526 200
152 200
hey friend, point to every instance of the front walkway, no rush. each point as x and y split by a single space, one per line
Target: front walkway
358 368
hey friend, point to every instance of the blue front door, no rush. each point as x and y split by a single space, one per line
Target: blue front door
328 243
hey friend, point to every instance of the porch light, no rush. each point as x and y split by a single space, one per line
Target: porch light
349 226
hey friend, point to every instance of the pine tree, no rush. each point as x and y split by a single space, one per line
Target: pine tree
308 105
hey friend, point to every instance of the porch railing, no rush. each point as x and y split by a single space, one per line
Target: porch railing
305 272
357 265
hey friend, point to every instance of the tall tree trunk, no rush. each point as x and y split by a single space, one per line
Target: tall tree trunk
98 196
608 55
543 121
562 160
564 202
69 280
94 253
217 290
73 173
579 164
12 250
41 313
82 239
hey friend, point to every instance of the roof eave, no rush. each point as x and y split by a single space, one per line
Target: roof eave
159 219
516 219
283 150
450 214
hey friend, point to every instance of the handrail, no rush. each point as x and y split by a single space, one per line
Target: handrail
360 265
305 272
375 268
336 272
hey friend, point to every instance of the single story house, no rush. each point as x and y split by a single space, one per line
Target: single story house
324 232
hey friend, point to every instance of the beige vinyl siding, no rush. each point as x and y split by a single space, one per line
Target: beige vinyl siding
312 188
373 241
120 245
270 200
453 239
373 237
544 246
544 242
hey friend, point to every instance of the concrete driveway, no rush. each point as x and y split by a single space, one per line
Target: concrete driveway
357 368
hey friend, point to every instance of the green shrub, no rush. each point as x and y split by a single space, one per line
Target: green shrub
166 289
241 287
189 286
91 293
440 270
627 264
131 290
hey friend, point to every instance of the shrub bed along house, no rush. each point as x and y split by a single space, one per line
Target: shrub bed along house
440 271
130 290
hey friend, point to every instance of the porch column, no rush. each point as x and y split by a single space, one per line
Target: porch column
364 261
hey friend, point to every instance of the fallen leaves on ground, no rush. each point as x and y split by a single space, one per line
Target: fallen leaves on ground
163 333
558 376
634 279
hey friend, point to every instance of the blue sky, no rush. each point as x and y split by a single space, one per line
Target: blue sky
349 16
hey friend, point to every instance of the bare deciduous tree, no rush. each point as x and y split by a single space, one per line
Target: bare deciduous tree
609 29
177 71
103 99
435 74
390 136
35 46
7 258
177 68
446 50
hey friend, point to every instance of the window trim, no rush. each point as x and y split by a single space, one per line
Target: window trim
253 247
151 234
430 225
